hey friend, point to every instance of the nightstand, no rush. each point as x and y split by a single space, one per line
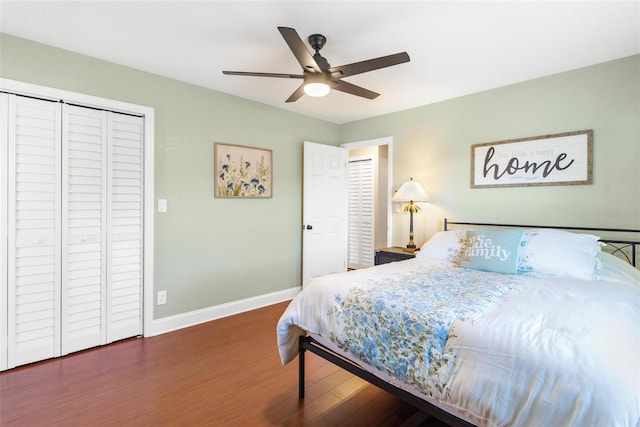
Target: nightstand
385 255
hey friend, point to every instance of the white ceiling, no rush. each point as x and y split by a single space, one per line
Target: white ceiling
456 47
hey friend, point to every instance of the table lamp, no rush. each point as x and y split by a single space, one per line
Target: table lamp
411 192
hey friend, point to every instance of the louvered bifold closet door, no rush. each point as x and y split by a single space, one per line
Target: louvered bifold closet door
71 214
4 177
102 227
33 198
84 205
125 237
361 213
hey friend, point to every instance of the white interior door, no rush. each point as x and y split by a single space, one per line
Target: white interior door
361 212
102 227
84 228
324 210
34 232
125 240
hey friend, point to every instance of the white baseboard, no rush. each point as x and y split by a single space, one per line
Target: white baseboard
184 320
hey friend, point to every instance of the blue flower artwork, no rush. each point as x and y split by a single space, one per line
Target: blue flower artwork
242 171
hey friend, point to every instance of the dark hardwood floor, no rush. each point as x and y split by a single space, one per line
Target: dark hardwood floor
221 373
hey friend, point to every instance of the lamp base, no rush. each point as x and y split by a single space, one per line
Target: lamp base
411 247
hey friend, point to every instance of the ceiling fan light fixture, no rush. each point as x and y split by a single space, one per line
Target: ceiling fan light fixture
319 76
317 89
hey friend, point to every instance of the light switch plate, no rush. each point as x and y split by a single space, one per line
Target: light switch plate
162 297
162 205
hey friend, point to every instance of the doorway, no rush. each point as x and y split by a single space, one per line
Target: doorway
380 150
361 206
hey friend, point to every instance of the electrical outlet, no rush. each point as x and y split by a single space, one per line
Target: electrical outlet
162 297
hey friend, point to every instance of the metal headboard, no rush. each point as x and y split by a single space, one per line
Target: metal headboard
619 246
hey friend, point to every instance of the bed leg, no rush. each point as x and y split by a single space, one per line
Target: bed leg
301 351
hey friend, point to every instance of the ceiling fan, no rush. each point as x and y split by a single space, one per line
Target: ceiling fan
318 76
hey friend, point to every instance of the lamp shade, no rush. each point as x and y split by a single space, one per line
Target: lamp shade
410 191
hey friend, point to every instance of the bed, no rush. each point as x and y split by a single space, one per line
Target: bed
489 325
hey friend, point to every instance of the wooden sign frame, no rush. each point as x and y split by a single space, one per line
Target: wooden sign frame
559 159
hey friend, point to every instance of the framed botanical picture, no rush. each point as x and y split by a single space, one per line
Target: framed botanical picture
242 171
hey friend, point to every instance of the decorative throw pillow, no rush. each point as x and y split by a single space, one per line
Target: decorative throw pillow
444 246
559 252
492 250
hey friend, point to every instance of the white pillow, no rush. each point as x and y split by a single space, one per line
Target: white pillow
559 252
444 246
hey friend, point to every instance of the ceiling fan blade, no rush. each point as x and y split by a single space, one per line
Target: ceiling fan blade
280 75
369 65
297 94
299 49
347 87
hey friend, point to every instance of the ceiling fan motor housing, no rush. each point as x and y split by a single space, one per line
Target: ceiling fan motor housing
317 41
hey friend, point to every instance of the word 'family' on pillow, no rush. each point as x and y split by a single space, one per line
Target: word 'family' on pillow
492 250
444 246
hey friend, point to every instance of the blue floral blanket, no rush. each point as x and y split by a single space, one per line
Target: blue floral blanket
400 324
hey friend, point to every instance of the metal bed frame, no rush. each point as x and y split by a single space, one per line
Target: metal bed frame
425 408
623 248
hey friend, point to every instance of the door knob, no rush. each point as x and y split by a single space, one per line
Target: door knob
309 227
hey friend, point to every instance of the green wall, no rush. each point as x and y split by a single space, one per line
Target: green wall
432 144
208 251
211 251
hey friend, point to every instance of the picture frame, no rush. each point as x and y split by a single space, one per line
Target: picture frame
242 172
558 159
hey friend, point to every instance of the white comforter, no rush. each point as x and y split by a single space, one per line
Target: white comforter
528 351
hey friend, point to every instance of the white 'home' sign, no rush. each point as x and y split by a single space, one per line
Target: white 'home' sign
560 159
